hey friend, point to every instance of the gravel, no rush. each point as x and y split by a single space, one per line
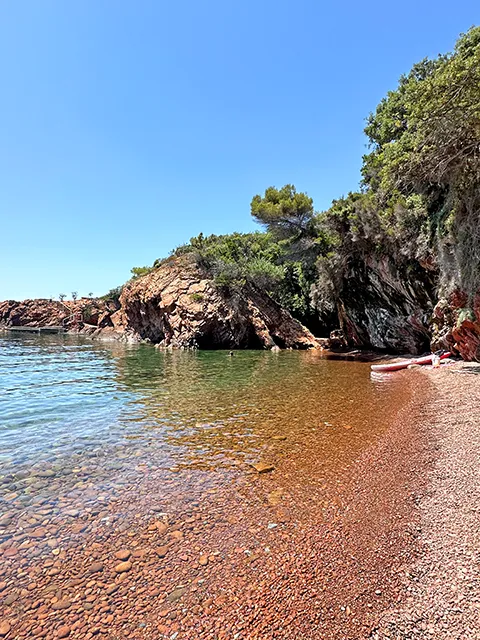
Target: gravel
441 591
385 547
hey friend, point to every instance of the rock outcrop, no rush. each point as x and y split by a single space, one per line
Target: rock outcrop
85 314
179 306
456 325
383 306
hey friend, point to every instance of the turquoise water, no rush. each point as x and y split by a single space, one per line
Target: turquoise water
67 402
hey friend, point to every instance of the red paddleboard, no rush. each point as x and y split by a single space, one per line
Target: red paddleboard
396 366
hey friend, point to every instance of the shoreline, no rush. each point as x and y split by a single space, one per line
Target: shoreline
441 588
246 560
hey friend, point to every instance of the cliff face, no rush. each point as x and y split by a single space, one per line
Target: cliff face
34 313
380 305
178 306
383 306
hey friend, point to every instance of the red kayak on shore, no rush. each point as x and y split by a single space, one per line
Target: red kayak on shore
403 364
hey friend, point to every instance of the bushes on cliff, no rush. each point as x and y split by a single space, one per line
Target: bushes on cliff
419 204
263 260
425 141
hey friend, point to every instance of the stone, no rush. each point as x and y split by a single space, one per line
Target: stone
123 554
203 561
61 604
275 496
63 631
176 535
161 551
47 473
176 594
11 598
123 567
112 588
96 567
263 467
4 628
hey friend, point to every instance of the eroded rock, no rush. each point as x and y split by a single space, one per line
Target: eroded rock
179 306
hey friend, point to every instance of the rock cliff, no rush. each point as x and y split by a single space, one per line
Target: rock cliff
383 305
178 306
380 306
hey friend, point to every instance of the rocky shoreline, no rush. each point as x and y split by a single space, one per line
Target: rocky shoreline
179 306
174 307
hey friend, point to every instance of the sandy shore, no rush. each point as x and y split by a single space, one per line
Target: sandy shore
388 550
441 590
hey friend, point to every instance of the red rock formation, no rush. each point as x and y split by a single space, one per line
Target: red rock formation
179 306
456 325
74 316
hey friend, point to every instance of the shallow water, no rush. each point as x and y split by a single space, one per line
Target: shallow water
105 447
66 400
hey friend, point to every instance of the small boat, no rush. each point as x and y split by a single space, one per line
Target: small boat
403 364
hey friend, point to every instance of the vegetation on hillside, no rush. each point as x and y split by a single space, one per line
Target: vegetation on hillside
419 201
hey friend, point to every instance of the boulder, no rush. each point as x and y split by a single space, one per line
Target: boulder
456 325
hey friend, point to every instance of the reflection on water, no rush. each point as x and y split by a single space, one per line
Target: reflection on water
68 403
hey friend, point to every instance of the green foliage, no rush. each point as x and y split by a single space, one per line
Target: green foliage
465 314
197 297
87 312
425 140
284 212
113 295
237 258
138 272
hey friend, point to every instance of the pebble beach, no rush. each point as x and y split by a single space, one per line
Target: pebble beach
385 547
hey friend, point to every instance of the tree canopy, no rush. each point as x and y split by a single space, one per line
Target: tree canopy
284 212
425 140
418 203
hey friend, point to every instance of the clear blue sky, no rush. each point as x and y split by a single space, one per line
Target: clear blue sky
128 127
